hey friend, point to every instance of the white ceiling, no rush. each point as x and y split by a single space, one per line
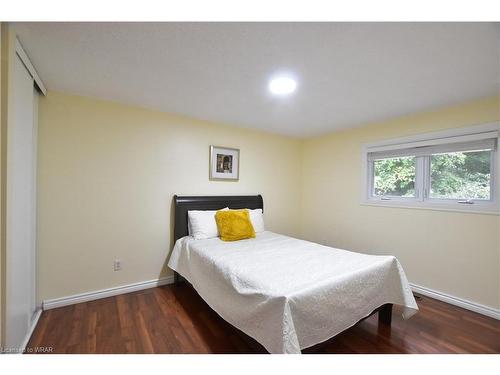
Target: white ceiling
348 73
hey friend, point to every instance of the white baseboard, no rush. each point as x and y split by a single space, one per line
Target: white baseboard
460 302
90 296
36 317
104 293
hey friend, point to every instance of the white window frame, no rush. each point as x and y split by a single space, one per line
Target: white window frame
422 174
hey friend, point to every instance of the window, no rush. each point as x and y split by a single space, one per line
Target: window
445 170
461 175
394 177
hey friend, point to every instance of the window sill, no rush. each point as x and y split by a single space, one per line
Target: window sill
489 210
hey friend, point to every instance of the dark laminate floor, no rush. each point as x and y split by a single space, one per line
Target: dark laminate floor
176 320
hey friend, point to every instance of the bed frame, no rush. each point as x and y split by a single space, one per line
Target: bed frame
183 204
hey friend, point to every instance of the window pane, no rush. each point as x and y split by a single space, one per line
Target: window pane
394 177
461 175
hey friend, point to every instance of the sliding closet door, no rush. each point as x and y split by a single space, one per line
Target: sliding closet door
21 194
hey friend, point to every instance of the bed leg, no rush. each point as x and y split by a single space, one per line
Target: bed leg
176 279
385 314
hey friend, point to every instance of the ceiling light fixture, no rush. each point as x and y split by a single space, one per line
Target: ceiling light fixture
282 85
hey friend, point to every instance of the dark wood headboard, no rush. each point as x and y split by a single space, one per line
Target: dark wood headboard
183 204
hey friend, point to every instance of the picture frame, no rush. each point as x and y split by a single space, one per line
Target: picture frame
224 164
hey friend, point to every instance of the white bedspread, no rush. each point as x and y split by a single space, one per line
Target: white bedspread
286 293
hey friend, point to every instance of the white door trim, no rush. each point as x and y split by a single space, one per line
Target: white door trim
31 69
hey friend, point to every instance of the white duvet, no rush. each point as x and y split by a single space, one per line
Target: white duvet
286 293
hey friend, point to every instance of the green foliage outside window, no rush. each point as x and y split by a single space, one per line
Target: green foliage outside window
455 175
461 175
395 177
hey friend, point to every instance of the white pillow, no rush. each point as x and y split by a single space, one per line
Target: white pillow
257 219
202 225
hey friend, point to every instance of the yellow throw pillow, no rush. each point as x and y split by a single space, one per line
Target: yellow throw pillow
234 225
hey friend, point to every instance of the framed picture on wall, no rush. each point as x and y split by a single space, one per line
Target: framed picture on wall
224 163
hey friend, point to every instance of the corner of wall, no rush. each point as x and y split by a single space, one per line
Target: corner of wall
300 224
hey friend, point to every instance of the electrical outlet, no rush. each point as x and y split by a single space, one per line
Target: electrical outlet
117 265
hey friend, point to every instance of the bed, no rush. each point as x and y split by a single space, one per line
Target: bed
286 293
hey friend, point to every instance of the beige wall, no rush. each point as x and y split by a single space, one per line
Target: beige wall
451 252
107 174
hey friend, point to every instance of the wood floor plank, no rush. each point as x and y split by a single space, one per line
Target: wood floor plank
174 319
